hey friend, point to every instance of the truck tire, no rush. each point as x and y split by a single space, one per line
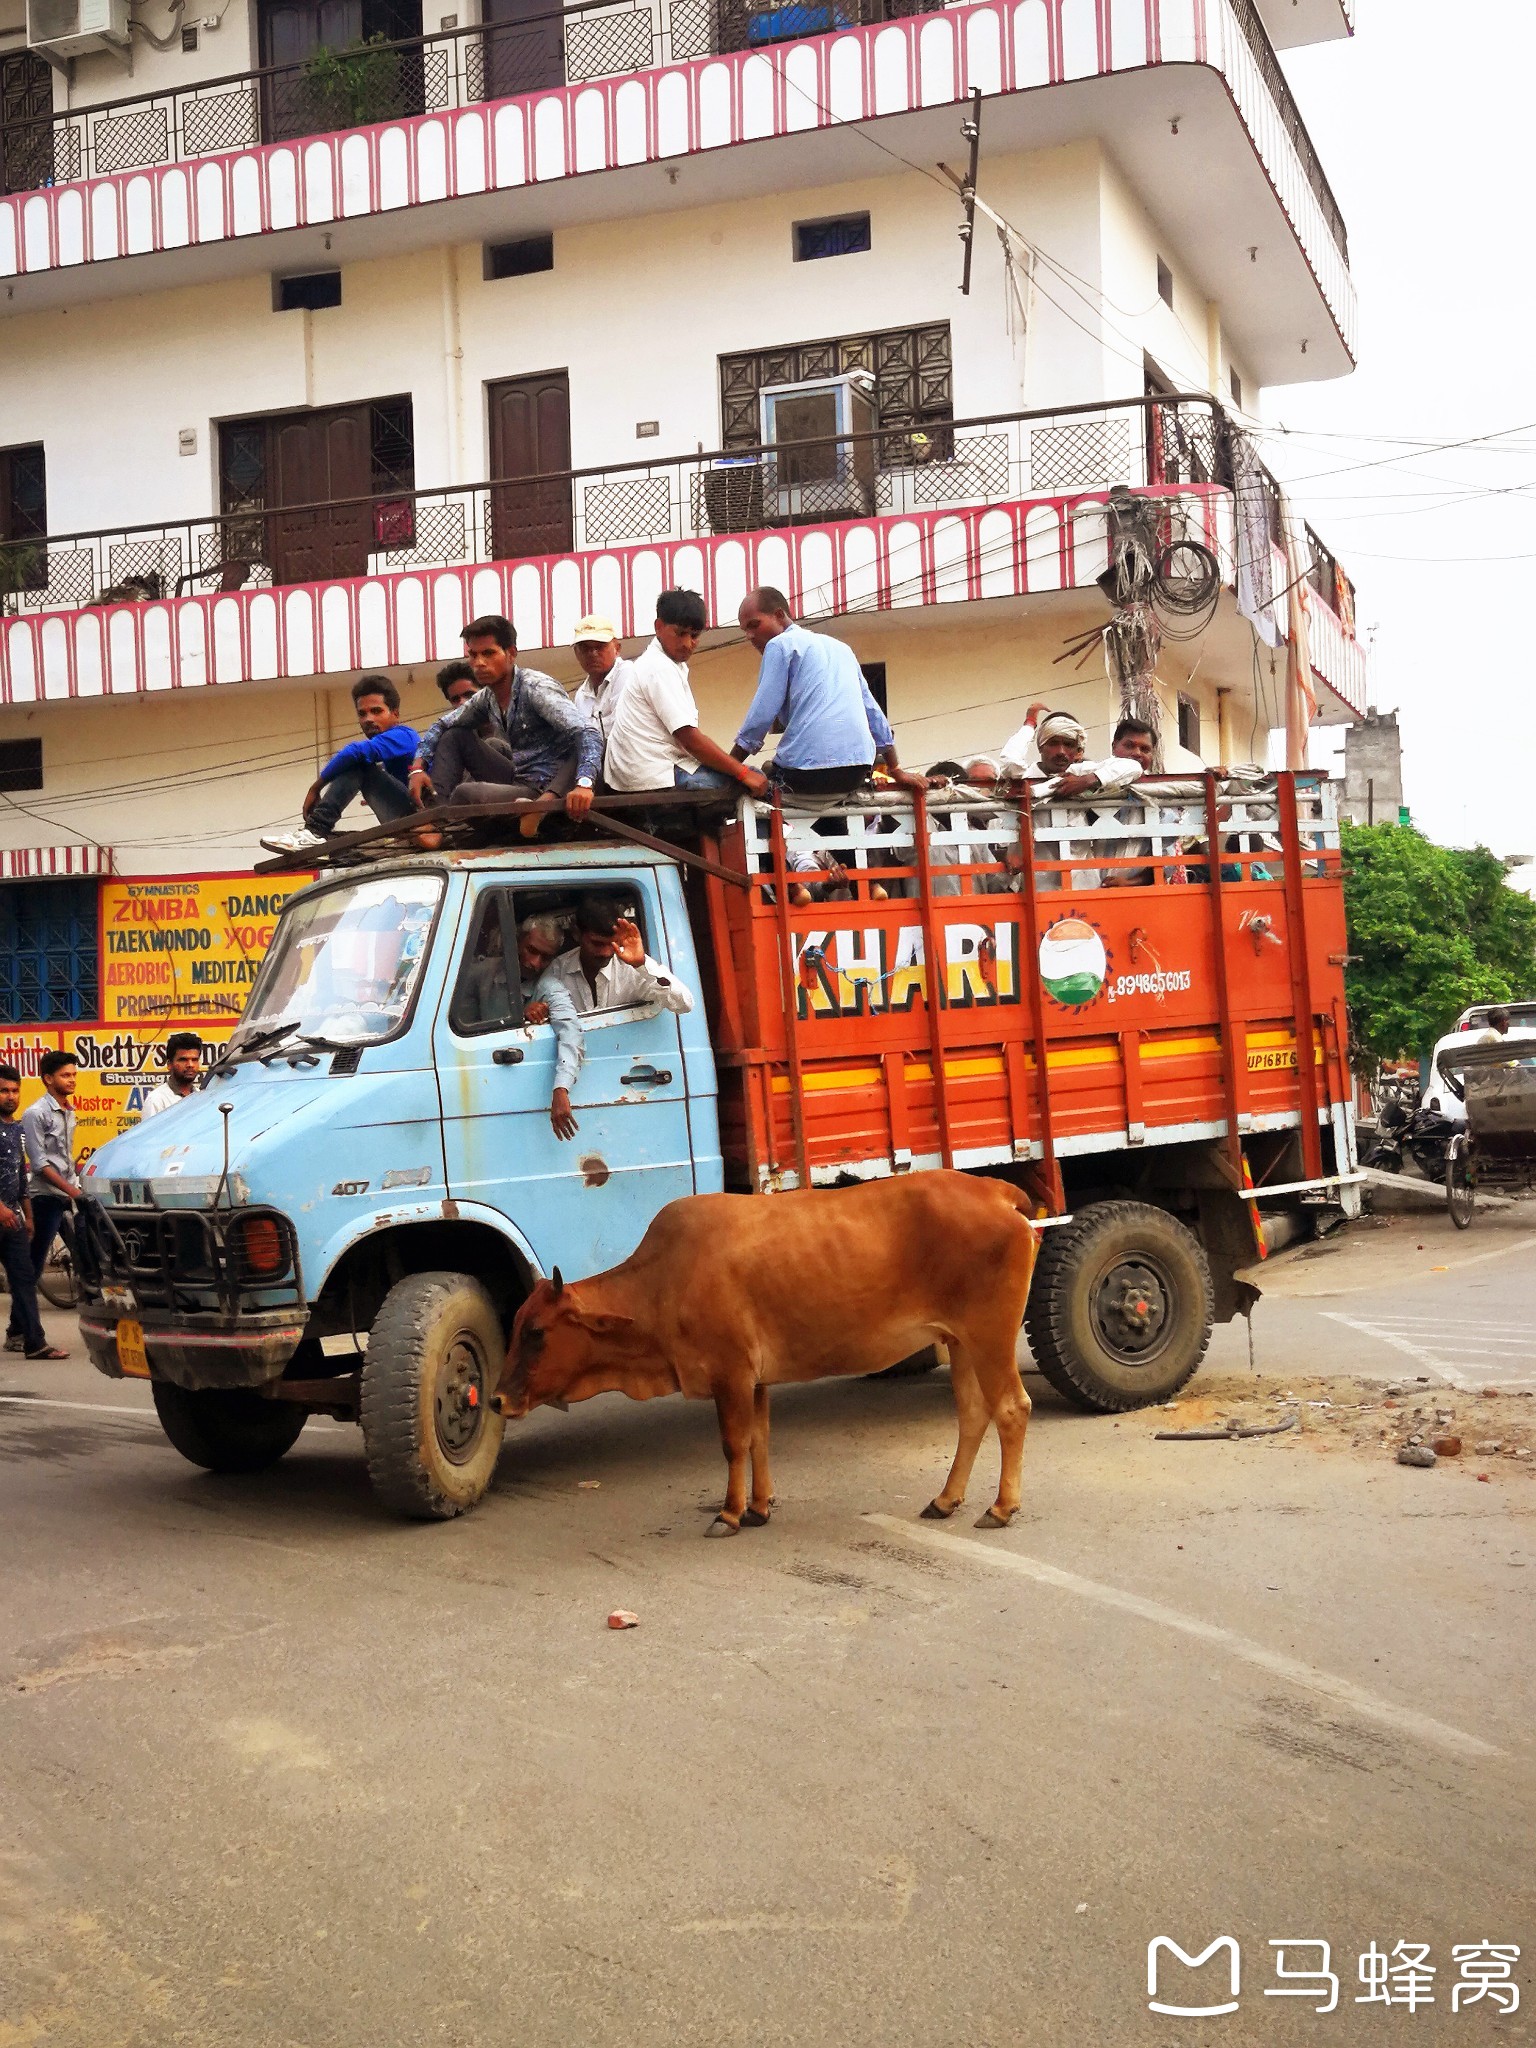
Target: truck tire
227 1429
1120 1306
429 1432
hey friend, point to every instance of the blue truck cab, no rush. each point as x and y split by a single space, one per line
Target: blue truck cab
345 1217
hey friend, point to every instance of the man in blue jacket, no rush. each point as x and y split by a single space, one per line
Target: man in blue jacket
374 768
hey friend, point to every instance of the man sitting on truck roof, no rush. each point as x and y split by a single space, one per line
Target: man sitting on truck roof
374 768
813 686
654 738
518 736
609 969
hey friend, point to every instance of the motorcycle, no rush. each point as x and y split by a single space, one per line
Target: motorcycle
1412 1136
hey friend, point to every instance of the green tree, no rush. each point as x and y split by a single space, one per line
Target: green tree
1431 929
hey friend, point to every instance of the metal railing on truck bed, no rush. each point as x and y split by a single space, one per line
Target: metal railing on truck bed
1177 998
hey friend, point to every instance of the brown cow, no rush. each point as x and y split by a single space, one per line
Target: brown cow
729 1295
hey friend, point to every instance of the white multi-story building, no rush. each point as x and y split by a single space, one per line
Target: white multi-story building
291 315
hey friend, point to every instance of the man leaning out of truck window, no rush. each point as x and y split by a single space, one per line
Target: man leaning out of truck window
609 969
546 1000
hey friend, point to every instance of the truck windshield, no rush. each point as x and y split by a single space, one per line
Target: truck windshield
344 964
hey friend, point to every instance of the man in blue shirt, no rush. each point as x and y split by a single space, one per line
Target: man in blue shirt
374 768
813 687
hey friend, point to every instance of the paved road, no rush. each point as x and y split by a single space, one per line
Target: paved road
1405 1293
276 1771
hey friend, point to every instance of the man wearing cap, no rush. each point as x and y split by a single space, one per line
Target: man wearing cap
606 672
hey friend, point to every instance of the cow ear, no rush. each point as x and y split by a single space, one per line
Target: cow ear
608 1326
557 1283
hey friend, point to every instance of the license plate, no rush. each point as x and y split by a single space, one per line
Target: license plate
119 1299
131 1355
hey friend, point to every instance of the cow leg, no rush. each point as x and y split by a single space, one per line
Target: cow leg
972 1413
734 1405
762 1480
1003 1391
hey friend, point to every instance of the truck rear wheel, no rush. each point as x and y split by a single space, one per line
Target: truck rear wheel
227 1429
1120 1307
430 1434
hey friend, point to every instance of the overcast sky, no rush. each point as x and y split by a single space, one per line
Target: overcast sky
1426 125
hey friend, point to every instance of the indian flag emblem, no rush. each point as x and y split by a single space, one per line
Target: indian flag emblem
1073 962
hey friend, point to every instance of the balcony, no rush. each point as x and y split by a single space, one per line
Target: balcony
1292 23
966 513
537 118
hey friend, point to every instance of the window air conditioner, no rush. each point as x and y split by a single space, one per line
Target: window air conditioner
68 28
810 472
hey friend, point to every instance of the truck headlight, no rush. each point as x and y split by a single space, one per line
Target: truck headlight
258 1248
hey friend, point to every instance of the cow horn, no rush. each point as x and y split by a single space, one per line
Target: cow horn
557 1283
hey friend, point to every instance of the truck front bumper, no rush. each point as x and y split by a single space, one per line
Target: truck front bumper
245 1355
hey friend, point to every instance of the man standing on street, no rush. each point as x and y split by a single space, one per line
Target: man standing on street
518 736
27 1333
813 686
183 1064
374 768
48 1133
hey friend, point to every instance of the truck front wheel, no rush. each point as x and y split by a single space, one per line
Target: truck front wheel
1120 1307
429 1432
227 1429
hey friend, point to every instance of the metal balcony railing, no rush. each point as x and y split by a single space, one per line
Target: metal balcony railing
952 464
1257 38
387 81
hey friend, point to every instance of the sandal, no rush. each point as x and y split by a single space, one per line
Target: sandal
49 1351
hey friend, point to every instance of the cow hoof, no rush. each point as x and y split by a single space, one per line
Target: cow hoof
721 1527
993 1520
752 1519
934 1513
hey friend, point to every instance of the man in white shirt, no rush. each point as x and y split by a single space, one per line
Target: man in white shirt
654 740
609 969
605 671
183 1064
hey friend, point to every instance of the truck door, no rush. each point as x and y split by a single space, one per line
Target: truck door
582 1203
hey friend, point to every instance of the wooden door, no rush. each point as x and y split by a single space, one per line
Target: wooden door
524 48
26 138
291 31
315 459
531 437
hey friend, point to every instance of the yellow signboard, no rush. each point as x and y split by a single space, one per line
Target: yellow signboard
117 1067
186 946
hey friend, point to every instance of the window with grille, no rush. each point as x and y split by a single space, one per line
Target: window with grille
847 235
48 960
23 520
912 368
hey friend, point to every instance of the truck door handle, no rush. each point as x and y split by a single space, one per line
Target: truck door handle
507 1055
644 1075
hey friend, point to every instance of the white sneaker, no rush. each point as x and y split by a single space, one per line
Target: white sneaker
292 842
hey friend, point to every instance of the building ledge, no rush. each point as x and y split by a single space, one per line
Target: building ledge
743 101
